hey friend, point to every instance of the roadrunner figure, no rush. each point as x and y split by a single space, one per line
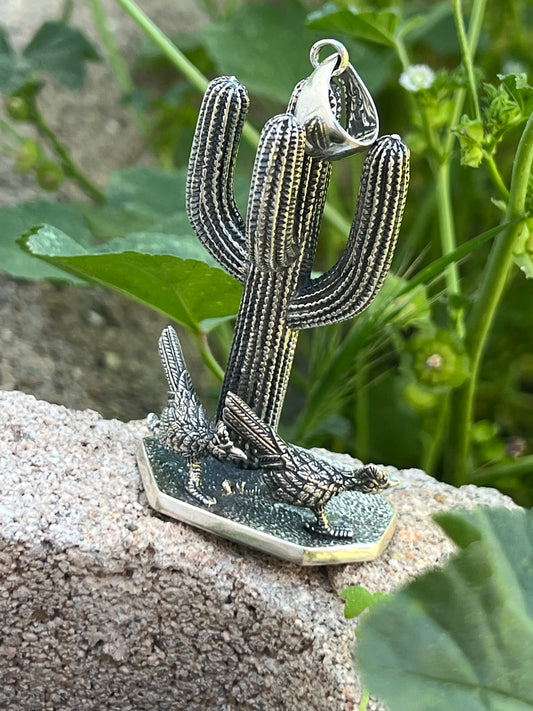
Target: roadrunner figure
296 476
184 426
271 253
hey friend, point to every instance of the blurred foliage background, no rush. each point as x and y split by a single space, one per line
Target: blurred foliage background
438 371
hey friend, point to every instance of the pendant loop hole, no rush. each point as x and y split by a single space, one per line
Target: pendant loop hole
343 57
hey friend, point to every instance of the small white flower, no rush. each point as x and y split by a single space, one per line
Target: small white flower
417 77
512 66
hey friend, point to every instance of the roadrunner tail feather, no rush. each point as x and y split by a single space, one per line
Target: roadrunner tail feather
173 361
243 420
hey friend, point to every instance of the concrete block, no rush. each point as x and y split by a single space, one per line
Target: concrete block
107 605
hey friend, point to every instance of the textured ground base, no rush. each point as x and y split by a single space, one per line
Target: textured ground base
254 519
106 605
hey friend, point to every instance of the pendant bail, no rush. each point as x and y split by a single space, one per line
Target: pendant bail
326 138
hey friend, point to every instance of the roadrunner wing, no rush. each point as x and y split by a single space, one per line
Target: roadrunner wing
243 420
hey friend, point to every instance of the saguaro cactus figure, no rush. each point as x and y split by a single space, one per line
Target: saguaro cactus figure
272 252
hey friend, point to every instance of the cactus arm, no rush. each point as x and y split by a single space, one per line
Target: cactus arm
272 242
351 284
209 196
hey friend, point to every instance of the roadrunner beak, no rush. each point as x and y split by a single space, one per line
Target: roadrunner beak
394 481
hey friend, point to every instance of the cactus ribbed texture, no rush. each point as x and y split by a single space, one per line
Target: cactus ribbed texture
353 282
272 255
210 204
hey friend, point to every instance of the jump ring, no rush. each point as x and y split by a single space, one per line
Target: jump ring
325 136
341 50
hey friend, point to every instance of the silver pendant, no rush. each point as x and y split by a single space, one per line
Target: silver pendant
235 475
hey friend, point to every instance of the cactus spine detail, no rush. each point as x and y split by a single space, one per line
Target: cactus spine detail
272 253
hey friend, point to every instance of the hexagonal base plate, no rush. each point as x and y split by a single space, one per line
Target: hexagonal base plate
255 520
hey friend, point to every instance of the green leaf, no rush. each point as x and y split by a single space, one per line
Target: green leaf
15 72
379 27
520 90
168 275
106 222
359 599
5 44
470 134
15 221
152 193
460 637
266 46
62 51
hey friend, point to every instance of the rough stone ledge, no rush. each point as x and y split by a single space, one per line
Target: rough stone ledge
106 605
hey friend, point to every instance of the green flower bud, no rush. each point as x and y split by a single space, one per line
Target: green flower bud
17 108
50 175
27 156
438 361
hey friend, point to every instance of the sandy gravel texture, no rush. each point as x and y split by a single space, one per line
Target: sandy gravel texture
107 605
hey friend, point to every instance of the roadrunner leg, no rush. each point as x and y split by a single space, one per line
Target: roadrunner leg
194 483
324 527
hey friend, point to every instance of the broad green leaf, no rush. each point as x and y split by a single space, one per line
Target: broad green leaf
379 27
183 287
518 87
5 44
15 72
62 51
460 637
359 599
153 193
153 198
266 46
15 221
435 29
106 222
471 136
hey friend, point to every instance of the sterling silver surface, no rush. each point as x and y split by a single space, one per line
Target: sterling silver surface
233 474
325 136
254 520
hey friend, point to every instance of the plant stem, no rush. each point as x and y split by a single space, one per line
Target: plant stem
116 62
189 70
474 29
486 304
466 53
207 355
69 167
66 12
496 177
440 163
8 128
446 221
447 238
432 453
151 30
